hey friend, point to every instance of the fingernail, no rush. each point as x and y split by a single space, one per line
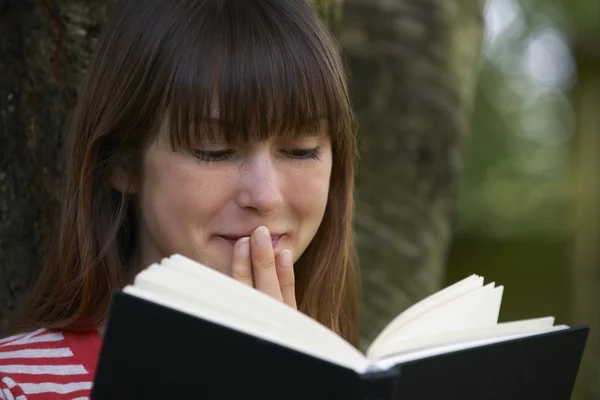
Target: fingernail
285 258
244 247
261 235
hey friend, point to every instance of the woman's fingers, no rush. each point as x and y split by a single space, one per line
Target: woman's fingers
254 264
241 268
263 263
285 273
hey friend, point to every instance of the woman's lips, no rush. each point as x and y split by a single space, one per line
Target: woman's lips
232 241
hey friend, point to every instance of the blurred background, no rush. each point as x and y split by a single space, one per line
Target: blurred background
529 197
519 201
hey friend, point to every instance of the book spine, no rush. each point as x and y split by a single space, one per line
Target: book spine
380 384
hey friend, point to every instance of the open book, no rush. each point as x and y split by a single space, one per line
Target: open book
181 320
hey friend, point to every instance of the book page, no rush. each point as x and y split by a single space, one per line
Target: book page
437 299
401 345
477 309
449 348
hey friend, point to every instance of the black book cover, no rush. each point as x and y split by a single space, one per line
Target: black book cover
153 352
537 367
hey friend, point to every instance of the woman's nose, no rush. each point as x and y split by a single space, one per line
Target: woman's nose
260 184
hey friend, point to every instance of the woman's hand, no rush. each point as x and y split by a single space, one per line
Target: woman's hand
254 263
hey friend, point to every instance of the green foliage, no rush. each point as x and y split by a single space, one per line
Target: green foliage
517 176
574 16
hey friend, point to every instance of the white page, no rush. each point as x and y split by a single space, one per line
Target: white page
477 309
507 328
433 301
436 350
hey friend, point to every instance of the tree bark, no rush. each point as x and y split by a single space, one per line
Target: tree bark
44 49
413 65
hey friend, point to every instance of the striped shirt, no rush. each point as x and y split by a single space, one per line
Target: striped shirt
48 365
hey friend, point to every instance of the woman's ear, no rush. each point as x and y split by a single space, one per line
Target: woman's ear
121 180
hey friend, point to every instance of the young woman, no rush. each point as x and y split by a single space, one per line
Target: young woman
217 129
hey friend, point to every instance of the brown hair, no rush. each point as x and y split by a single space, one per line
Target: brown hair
273 67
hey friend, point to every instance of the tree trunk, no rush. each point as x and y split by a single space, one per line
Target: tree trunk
44 49
586 261
413 65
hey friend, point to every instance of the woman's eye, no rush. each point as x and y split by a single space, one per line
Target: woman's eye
213 155
313 153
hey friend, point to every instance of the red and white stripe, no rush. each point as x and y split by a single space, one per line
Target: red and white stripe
44 365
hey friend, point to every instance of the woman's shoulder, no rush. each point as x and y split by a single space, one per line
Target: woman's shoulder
48 364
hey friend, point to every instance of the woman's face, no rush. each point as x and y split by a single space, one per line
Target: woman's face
198 204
